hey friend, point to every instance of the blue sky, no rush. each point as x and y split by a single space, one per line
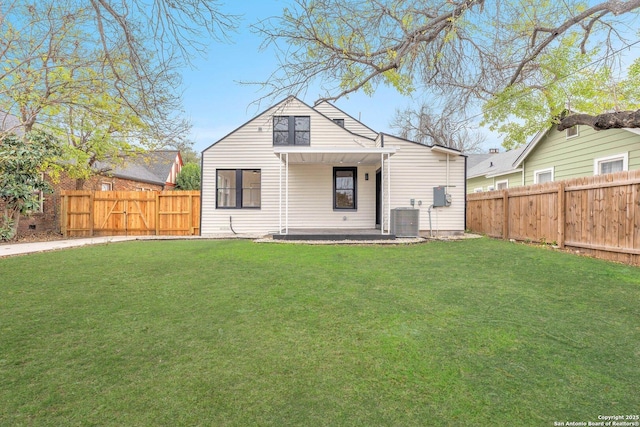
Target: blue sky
217 104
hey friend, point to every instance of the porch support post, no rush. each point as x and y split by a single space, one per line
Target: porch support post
382 191
286 209
389 191
280 194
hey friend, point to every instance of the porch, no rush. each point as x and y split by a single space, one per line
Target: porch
361 195
333 234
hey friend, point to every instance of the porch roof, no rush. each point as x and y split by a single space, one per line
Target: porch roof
334 155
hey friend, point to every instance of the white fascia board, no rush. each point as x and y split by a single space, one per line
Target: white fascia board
338 150
445 150
495 175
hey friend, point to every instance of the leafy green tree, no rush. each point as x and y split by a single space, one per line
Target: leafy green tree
22 162
189 177
103 75
464 51
574 82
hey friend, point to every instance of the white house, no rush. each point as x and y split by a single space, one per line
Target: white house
295 168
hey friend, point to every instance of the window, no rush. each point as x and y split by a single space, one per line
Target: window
610 164
543 175
572 131
291 130
344 188
502 185
107 186
477 190
490 188
40 197
339 122
238 188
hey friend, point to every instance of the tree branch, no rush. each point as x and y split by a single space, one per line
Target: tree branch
617 120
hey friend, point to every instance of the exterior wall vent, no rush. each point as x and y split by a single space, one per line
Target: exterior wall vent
405 222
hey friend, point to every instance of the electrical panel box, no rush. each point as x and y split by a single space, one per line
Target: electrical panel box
440 197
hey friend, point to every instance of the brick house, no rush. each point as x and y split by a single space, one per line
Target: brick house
155 170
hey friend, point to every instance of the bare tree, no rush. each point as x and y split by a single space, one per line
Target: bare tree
462 49
103 74
137 45
449 130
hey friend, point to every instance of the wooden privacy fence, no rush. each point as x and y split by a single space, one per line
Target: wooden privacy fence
599 215
130 213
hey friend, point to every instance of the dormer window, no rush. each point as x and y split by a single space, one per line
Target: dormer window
291 130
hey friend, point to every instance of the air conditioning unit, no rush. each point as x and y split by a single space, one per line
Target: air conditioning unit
405 222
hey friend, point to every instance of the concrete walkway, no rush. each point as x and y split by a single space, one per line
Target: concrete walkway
33 247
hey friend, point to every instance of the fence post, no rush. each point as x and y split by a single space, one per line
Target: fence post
505 214
157 212
561 214
63 215
92 208
191 229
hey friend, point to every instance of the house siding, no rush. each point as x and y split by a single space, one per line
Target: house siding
317 211
350 123
310 186
415 170
574 157
515 180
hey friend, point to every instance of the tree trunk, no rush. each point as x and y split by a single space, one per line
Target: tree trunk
16 223
617 120
80 183
9 221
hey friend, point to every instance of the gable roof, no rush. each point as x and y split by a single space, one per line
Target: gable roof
540 136
475 158
280 105
496 164
320 104
153 167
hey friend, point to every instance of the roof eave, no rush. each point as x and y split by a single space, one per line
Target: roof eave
509 172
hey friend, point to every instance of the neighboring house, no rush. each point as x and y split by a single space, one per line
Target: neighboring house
154 170
554 156
495 172
296 167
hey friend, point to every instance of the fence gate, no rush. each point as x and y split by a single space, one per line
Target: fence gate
132 213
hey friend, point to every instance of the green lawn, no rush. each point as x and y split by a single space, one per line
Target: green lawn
234 333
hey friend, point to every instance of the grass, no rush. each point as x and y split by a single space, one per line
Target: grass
233 333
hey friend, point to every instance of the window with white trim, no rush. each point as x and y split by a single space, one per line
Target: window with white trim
572 132
490 188
477 190
106 186
502 185
611 164
40 196
543 175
